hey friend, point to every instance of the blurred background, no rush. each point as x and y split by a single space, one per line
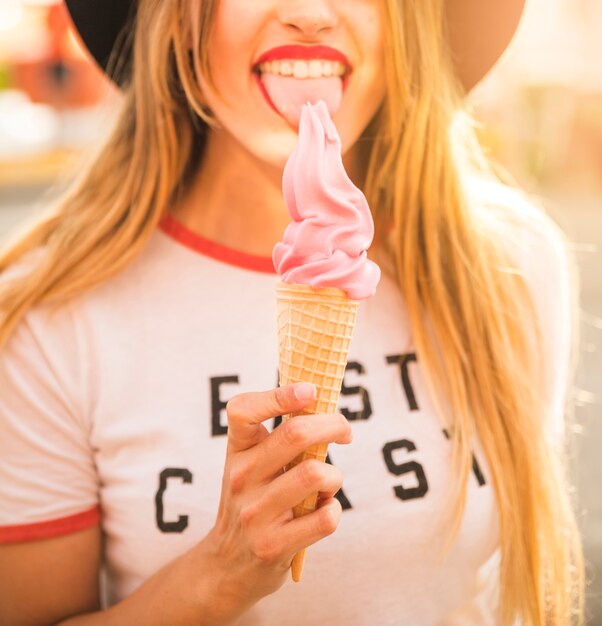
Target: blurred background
540 113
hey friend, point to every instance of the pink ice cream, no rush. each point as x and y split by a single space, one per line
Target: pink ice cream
326 243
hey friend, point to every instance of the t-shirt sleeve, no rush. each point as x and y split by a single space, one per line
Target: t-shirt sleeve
547 266
48 482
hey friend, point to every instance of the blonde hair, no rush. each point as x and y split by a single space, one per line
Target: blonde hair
473 323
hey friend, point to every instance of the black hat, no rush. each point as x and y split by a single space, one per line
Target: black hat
106 27
479 32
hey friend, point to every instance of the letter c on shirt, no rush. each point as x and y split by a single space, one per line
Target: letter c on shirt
182 522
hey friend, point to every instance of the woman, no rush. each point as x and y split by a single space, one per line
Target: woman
138 312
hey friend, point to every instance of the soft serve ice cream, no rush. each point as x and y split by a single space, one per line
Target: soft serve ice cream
325 244
325 272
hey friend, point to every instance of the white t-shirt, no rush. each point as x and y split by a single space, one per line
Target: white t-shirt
112 412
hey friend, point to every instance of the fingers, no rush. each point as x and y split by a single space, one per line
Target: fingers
290 439
291 488
246 411
309 529
294 535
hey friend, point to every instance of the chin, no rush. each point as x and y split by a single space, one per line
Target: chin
274 148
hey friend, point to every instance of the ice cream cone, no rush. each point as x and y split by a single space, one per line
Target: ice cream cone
314 333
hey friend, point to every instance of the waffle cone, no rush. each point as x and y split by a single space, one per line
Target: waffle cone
314 333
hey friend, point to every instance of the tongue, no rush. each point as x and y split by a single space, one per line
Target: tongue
289 94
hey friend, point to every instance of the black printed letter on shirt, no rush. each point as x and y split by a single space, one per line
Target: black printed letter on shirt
182 522
366 407
403 360
409 467
218 405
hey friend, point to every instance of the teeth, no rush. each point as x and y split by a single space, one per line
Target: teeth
286 68
315 69
303 69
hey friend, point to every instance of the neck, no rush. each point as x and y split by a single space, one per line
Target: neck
235 199
232 195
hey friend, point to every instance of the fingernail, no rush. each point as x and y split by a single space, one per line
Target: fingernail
305 392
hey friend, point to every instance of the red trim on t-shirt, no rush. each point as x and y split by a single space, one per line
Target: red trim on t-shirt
176 230
50 528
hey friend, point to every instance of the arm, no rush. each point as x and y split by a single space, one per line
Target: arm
42 581
45 582
245 557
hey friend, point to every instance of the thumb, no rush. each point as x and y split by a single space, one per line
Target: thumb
246 411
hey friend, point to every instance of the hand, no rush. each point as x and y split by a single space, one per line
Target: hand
255 536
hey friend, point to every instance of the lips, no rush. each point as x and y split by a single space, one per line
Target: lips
303 52
289 76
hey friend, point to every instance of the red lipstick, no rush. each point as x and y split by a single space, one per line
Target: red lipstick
306 53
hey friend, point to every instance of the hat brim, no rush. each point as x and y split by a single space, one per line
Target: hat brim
103 27
479 33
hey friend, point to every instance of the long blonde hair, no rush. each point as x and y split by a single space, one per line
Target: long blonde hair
473 323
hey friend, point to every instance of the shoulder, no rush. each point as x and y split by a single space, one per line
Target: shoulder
155 263
535 244
537 249
47 358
